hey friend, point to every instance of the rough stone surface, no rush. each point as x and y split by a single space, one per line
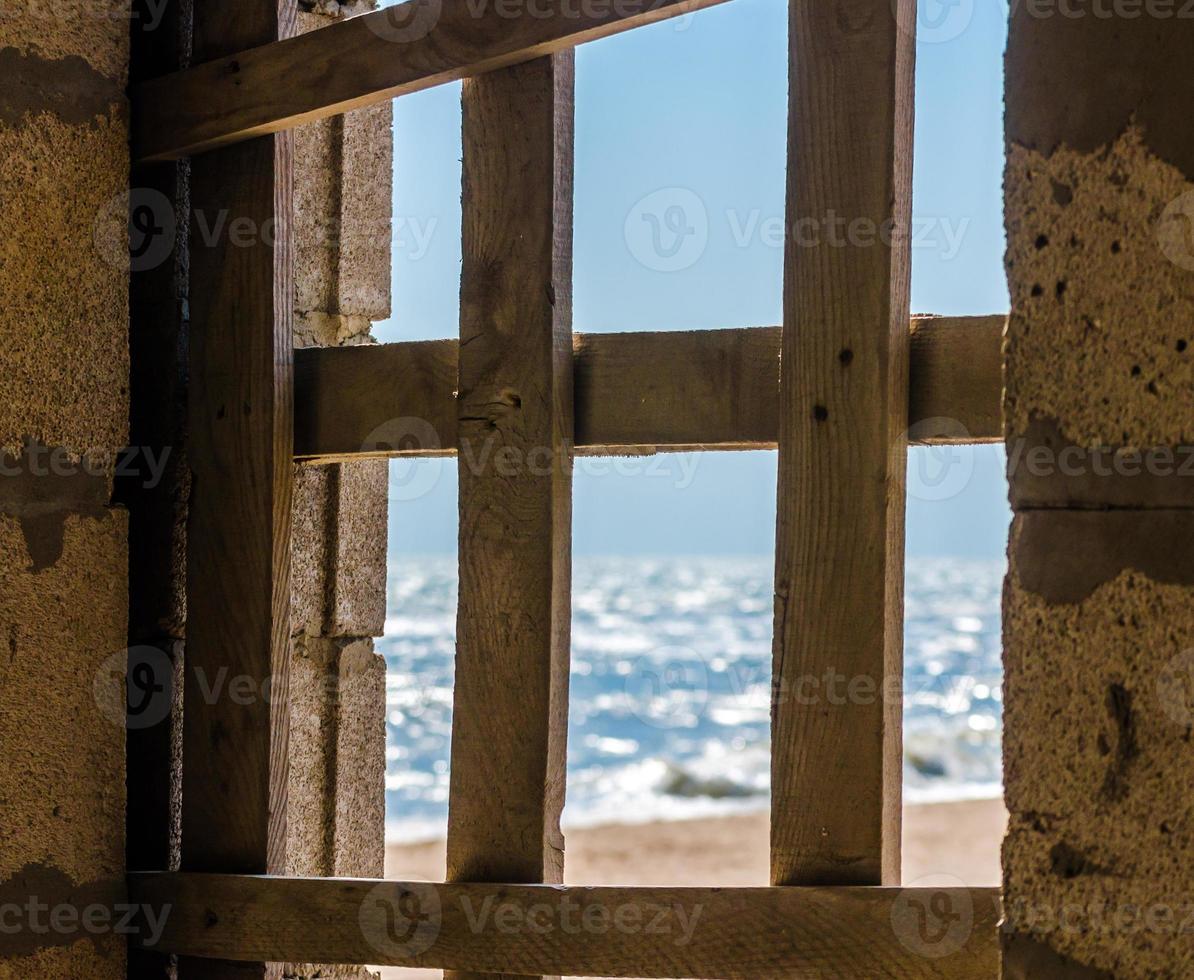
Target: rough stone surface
61 724
1101 837
360 806
317 155
367 161
343 183
339 549
314 328
64 297
311 548
62 784
1101 274
94 30
313 720
83 959
336 807
359 600
1098 612
63 550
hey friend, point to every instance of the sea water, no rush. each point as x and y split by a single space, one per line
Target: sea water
671 685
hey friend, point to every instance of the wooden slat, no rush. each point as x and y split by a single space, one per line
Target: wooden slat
955 379
697 389
363 60
724 933
241 456
635 392
386 400
510 714
836 762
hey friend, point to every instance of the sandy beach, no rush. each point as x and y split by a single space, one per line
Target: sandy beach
960 840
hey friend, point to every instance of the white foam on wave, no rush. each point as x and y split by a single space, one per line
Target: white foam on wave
670 697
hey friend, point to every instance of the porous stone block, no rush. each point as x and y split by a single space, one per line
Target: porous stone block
100 958
360 813
64 288
312 547
359 582
1098 747
367 174
1099 191
314 328
343 174
338 586
1101 274
64 630
316 215
336 806
313 720
93 31
62 701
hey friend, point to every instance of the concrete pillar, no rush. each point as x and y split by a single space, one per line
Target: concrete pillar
343 173
1099 415
63 419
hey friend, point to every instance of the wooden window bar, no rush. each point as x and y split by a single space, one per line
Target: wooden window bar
840 389
635 392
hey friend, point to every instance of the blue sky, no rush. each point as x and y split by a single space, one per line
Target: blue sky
696 110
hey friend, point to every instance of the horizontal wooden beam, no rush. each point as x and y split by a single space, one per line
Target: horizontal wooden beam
362 60
635 392
535 930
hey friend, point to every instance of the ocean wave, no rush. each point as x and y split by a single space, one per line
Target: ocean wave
670 687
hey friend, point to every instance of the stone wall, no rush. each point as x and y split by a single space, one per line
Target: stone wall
1099 414
93 534
63 416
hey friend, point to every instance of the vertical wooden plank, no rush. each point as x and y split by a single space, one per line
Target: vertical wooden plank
836 739
235 726
515 429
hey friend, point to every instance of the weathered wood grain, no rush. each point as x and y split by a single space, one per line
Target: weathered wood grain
385 400
836 756
955 379
363 60
235 722
514 424
724 933
635 392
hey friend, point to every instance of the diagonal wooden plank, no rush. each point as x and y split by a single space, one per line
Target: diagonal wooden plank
510 718
635 392
836 739
723 933
363 60
240 450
